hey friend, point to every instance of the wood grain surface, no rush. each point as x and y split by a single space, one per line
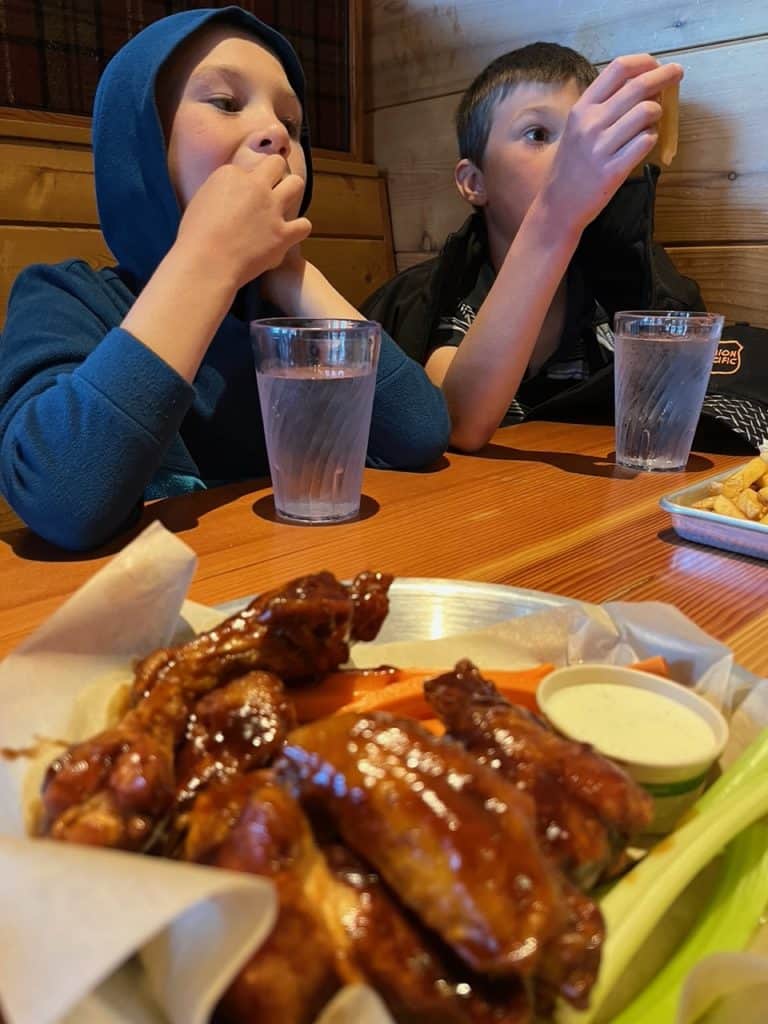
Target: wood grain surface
421 48
543 506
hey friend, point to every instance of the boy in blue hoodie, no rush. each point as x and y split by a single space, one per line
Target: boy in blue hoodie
137 381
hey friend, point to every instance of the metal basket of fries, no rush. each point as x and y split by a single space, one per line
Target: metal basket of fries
728 511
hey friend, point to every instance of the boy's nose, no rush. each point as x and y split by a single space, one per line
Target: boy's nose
273 139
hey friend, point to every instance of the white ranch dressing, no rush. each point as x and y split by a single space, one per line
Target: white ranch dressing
632 724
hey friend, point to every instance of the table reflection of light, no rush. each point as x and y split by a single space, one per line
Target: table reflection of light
698 563
692 560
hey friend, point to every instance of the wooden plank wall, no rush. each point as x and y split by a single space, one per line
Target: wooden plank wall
48 207
712 210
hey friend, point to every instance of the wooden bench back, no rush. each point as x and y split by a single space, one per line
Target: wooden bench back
48 207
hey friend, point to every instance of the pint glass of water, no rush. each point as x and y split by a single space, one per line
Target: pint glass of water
316 381
662 366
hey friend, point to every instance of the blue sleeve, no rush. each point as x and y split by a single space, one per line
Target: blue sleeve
86 410
410 425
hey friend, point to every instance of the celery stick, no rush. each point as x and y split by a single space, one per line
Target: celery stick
751 762
729 920
636 904
751 765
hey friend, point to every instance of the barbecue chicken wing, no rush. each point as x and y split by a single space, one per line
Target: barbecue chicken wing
299 631
234 728
570 962
418 977
113 789
586 806
451 837
336 923
249 823
118 787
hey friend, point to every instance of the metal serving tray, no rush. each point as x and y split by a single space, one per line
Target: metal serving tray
697 524
425 608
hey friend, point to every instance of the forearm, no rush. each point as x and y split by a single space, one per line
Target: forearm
410 425
77 454
180 309
301 290
485 373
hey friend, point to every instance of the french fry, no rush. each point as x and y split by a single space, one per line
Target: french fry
669 125
725 507
749 503
743 477
742 495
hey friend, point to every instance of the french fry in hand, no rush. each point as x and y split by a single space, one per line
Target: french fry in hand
669 125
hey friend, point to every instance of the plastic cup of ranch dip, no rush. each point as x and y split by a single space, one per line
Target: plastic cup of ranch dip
664 735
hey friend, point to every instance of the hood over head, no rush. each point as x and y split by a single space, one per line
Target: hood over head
138 209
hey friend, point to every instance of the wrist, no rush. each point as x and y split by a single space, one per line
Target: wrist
214 277
555 223
284 285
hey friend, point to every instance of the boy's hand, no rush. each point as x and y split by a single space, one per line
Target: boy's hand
610 129
242 220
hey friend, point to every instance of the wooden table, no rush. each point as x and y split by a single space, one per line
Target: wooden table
542 507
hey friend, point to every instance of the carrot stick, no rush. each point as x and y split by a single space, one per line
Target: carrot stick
406 697
656 665
316 700
401 690
402 698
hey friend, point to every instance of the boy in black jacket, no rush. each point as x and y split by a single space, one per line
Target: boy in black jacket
512 318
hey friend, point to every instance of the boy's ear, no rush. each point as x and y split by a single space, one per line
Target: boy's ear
470 181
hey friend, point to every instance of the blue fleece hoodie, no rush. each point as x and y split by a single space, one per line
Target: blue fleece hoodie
91 421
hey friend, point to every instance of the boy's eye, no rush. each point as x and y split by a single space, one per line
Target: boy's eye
536 133
293 126
226 103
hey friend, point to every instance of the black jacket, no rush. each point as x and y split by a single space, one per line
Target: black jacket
619 265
